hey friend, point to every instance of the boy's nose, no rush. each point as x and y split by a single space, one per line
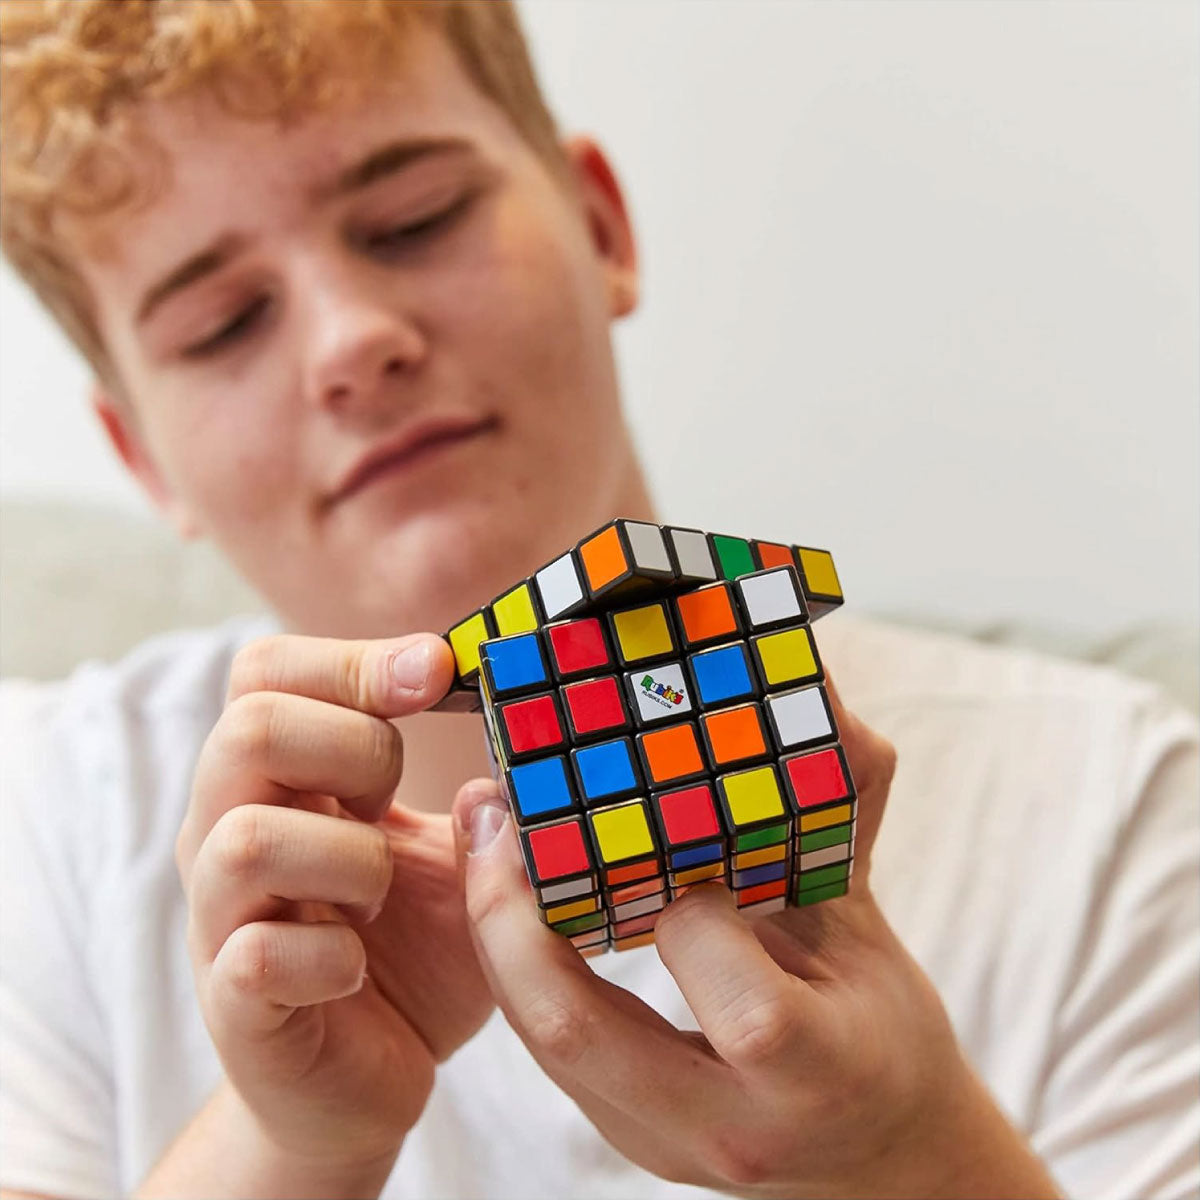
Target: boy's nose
359 357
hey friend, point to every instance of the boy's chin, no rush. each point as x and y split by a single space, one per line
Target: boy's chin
426 573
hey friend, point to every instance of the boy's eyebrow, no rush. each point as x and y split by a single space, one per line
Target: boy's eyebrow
387 160
208 260
384 161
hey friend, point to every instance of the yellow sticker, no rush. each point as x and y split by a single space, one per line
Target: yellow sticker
630 943
464 641
622 833
819 820
787 656
756 858
696 874
577 908
753 796
819 572
514 612
643 632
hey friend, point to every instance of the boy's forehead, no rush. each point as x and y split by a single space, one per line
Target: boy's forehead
195 161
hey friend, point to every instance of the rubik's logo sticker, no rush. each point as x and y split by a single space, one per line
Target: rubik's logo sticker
657 718
662 693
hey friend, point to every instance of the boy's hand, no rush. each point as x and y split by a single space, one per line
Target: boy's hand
330 948
826 1065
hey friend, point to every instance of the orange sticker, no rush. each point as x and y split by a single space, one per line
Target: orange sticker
771 554
707 613
603 558
672 753
735 734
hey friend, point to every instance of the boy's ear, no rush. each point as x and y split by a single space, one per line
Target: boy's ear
122 429
608 220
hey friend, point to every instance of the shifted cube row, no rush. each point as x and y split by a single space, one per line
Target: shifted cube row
623 558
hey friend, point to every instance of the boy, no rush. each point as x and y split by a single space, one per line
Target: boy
348 301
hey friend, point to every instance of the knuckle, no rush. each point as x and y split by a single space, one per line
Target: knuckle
245 843
380 863
350 959
253 665
385 746
558 1030
250 727
249 960
737 1158
352 679
486 899
759 1034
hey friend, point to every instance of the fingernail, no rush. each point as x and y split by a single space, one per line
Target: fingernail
487 819
411 667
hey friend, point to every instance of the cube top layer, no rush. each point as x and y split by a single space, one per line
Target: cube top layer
628 560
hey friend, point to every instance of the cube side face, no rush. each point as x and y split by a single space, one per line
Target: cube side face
663 726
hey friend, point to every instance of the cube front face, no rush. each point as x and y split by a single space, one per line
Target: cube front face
657 718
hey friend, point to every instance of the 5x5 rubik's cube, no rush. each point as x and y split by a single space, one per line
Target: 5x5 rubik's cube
656 716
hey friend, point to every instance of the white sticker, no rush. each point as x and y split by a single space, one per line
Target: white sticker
558 585
695 558
638 908
800 716
821 858
649 549
564 891
771 597
762 907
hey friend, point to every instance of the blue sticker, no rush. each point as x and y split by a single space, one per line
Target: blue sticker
606 770
696 856
722 674
763 874
515 662
541 788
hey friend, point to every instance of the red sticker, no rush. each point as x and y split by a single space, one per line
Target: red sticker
558 850
688 814
578 646
595 705
817 778
532 724
761 891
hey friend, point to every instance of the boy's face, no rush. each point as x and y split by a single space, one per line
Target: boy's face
398 276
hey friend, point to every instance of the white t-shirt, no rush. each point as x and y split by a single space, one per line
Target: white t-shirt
1040 857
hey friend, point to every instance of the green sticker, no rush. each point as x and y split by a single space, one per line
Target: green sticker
580 924
816 895
763 837
734 556
834 836
822 876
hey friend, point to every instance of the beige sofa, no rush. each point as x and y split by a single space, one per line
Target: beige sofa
80 583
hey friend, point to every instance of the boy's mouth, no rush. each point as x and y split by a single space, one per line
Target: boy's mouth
419 440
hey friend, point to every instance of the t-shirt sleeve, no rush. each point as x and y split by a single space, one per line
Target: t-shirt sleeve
1120 1115
56 1095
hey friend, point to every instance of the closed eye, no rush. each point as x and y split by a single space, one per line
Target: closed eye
232 331
415 232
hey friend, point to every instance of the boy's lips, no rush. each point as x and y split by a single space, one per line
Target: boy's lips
401 451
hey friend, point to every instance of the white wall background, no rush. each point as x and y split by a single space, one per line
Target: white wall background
921 284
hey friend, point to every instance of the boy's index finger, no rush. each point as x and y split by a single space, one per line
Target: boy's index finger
386 677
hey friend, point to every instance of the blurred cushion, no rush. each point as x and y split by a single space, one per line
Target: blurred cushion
78 583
